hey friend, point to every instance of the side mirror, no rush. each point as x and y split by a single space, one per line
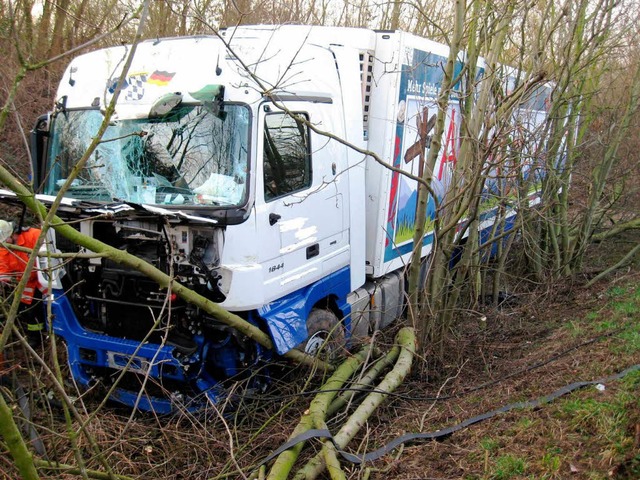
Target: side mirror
212 97
38 150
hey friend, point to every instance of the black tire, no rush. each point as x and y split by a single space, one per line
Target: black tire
326 338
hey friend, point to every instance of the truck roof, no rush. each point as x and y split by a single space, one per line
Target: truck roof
247 60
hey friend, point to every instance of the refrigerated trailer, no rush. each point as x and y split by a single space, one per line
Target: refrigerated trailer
229 163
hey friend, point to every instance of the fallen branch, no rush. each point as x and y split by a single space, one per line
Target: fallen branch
371 374
406 339
61 468
15 443
616 229
624 261
284 462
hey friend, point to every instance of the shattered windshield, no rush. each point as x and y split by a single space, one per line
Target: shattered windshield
191 156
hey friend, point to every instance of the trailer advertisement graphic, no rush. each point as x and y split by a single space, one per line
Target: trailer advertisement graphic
420 82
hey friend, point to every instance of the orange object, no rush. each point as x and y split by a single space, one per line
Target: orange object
13 262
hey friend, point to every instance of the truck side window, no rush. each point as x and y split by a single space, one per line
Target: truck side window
287 157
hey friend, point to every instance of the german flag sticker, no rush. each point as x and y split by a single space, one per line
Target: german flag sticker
160 78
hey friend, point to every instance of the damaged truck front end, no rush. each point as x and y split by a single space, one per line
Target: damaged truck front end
124 332
163 184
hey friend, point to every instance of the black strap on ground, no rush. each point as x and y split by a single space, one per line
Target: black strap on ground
441 434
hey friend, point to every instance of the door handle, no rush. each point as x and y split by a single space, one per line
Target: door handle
273 218
313 251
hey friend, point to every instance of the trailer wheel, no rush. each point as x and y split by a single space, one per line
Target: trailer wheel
326 335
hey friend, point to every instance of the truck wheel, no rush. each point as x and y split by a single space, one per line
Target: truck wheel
326 335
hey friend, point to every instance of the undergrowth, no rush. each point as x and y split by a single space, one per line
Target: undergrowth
593 433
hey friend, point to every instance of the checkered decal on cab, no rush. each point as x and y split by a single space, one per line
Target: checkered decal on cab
136 86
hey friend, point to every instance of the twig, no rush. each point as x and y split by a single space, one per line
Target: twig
626 259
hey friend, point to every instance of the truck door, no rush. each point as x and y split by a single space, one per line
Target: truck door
301 198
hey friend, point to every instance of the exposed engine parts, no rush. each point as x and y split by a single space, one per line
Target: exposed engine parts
121 302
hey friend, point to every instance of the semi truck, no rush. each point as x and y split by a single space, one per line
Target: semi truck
237 164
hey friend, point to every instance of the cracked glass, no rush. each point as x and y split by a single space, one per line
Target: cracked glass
191 156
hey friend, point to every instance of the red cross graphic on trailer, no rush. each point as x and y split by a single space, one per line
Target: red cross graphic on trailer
449 154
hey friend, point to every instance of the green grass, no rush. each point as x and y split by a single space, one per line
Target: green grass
592 316
626 308
632 381
551 462
620 311
607 325
524 423
575 328
503 466
607 422
508 466
616 291
591 417
630 342
489 444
